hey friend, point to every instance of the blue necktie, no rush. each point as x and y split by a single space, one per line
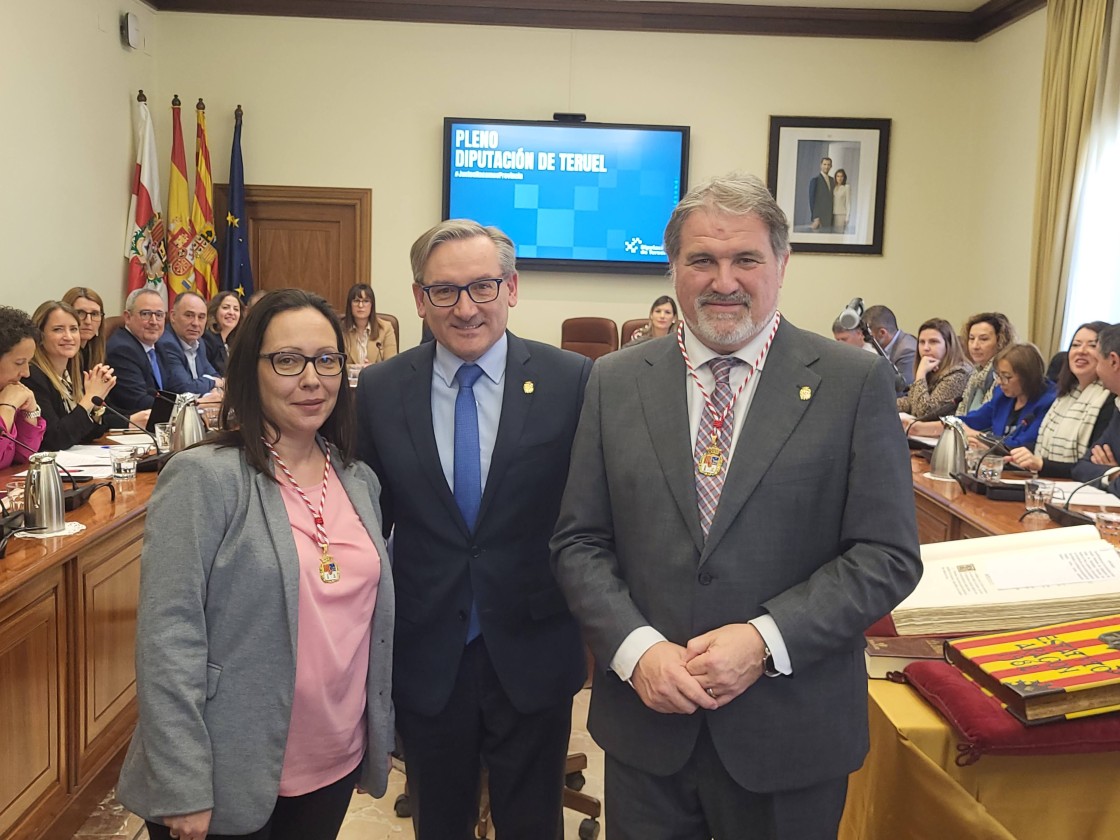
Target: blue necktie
468 466
155 367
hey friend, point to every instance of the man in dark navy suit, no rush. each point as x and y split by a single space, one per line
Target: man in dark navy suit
184 352
470 436
132 353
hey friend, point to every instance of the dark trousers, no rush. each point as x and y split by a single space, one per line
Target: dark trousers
524 755
702 801
313 816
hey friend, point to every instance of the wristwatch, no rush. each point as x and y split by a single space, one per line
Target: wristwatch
768 663
33 416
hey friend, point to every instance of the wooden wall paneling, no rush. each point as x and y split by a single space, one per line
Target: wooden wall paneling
313 238
108 590
33 722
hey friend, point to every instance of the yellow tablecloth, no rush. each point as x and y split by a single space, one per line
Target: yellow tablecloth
909 788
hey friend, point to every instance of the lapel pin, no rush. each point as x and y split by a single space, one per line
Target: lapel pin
805 393
528 387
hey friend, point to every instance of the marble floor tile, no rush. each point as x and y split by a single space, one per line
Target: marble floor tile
110 819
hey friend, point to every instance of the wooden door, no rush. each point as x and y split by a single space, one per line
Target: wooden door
313 238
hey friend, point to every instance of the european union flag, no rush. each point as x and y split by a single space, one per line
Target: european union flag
237 272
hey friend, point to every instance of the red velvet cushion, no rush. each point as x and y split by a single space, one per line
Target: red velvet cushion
988 728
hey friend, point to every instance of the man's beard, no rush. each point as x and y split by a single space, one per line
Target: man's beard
726 330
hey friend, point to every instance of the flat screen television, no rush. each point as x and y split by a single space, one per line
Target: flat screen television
572 196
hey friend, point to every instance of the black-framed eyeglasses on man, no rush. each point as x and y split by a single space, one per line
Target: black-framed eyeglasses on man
480 291
287 363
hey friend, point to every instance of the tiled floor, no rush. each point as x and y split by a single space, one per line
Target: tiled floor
369 818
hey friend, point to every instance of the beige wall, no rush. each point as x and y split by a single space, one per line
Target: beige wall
360 104
66 144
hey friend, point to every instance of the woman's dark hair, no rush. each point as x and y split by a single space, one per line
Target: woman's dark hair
954 353
1066 379
661 301
361 290
15 326
840 172
242 417
1028 365
212 313
1000 324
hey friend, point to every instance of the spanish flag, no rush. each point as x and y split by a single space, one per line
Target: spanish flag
205 255
180 233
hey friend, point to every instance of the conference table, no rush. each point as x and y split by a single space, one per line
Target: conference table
67 643
911 788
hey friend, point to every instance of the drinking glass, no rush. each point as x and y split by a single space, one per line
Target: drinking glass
1108 526
123 459
163 437
1038 494
991 468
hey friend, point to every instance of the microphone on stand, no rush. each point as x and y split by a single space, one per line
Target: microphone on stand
75 497
1099 481
100 403
151 463
852 314
1026 421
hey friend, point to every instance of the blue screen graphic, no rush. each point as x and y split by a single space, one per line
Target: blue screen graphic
569 195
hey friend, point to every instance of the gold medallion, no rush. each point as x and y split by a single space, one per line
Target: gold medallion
711 462
528 386
328 569
805 393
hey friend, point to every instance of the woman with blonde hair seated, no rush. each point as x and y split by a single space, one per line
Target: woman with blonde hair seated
940 372
662 321
63 392
984 336
1078 416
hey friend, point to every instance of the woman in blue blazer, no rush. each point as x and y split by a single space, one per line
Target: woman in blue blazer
264 637
1015 411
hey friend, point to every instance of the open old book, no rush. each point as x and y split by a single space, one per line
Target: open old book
1012 582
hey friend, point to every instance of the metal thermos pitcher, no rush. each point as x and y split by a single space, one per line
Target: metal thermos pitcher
948 458
43 505
187 427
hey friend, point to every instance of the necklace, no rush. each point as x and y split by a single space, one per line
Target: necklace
711 460
328 569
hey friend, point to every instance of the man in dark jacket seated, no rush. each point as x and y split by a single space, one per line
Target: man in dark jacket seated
183 352
132 354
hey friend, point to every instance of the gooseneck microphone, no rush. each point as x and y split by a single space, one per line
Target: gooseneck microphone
1026 421
1099 481
100 403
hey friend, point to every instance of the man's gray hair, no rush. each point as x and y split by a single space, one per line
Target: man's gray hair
457 229
736 194
130 301
1108 341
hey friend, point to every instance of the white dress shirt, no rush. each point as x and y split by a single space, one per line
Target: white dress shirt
625 659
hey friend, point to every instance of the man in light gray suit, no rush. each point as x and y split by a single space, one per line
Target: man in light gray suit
738 511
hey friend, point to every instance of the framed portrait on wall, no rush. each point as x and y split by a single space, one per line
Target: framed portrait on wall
829 175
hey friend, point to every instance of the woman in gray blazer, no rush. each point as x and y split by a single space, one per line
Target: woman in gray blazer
265 633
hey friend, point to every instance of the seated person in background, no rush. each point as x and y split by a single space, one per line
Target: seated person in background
369 338
984 335
900 347
1078 416
91 318
63 392
1017 407
940 373
662 321
852 337
186 368
223 314
131 352
1105 450
19 411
